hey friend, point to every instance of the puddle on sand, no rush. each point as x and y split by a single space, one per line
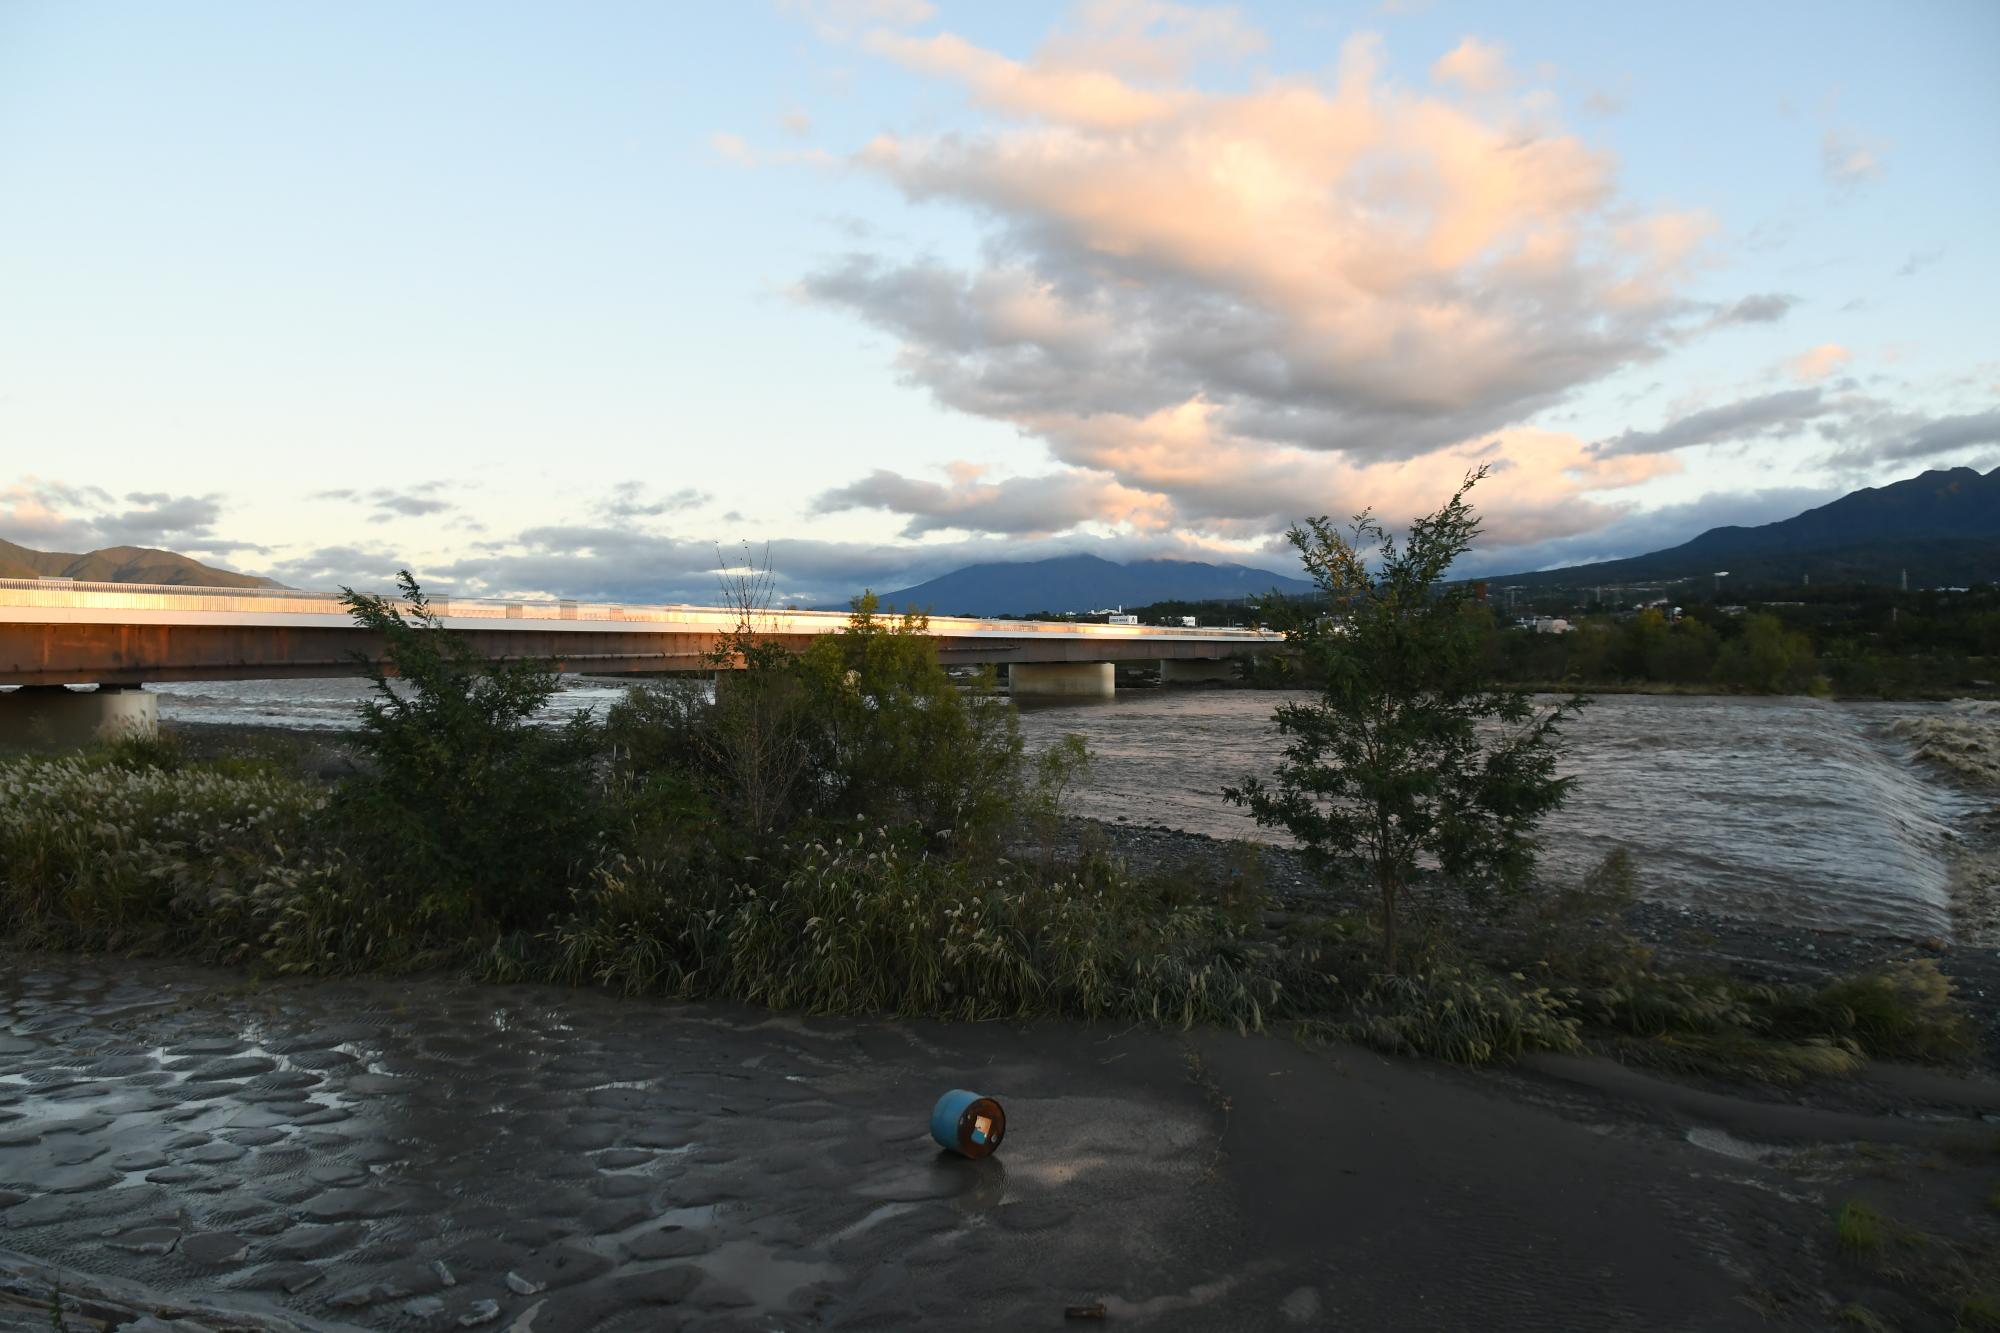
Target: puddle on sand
756 1268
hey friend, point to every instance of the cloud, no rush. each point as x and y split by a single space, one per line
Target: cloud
1348 266
1898 439
1767 414
734 148
1150 39
1763 308
1476 66
1020 506
628 501
1641 531
1819 363
1920 260
596 563
389 504
366 569
53 515
838 19
1847 162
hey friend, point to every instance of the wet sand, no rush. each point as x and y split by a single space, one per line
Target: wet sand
396 1154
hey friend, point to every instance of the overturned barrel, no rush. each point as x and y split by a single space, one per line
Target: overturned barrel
967 1123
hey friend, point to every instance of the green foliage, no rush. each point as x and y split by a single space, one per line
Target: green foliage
1859 1228
1463 1016
467 812
1767 658
1410 752
1905 1011
865 724
1057 769
868 924
895 740
99 852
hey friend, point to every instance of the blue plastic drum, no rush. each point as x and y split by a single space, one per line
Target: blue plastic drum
967 1123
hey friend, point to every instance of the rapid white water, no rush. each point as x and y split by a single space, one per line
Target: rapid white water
1792 810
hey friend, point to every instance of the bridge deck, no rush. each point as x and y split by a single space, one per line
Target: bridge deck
61 632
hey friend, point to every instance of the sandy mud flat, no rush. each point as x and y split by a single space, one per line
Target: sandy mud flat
395 1154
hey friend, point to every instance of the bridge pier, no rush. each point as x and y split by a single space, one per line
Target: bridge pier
1061 680
55 715
1180 671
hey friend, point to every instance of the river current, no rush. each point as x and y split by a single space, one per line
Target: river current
1791 810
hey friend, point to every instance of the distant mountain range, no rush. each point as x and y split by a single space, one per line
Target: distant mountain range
121 564
1084 583
1942 527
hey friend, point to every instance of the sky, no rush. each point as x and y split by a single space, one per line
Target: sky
585 301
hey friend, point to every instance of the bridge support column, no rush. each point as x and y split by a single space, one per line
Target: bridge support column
1060 680
1179 671
55 715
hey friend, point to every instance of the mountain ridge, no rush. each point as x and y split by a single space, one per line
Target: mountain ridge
122 564
1942 526
1083 583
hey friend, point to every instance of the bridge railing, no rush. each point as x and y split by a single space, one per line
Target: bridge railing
80 595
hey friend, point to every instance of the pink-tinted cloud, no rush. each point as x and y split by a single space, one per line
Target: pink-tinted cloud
1813 366
1219 309
1476 66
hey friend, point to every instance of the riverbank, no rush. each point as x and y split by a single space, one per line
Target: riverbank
1973 691
1702 941
1755 950
366 1154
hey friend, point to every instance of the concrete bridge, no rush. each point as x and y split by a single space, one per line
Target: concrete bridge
55 633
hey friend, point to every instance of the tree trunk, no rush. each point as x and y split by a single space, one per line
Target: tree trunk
1388 887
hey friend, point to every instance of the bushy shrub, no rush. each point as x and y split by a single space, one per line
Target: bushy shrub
1904 1011
864 724
467 811
895 740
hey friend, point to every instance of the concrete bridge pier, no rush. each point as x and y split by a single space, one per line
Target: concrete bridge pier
57 716
1177 671
1060 680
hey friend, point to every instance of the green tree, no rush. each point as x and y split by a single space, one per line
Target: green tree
1767 658
896 739
469 807
1409 753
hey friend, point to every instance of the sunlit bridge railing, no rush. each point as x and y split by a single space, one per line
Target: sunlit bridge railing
85 598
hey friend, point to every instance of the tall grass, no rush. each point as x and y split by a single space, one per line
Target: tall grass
102 852
867 924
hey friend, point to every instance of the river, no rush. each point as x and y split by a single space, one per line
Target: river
1791 810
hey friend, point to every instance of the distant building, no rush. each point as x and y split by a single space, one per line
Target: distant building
1187 622
1121 620
1552 625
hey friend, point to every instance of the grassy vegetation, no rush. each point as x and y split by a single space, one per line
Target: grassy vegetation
1959 1280
765 845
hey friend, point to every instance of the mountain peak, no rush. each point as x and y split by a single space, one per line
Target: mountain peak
122 564
1084 582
